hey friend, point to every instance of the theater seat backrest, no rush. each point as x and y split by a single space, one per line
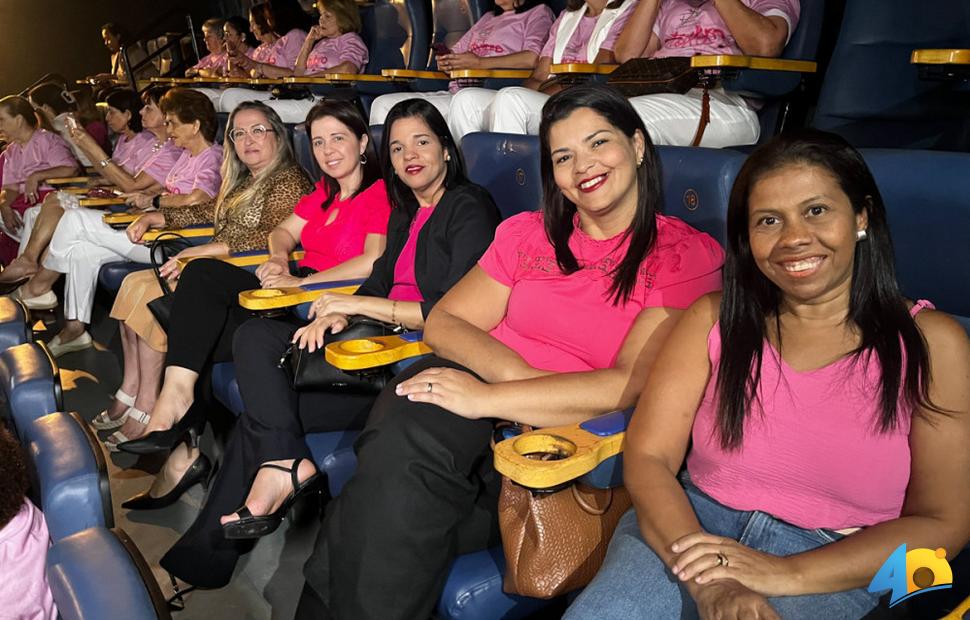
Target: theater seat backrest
396 34
874 97
929 216
507 166
451 19
697 184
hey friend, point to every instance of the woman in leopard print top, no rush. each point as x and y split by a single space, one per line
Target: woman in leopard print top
261 182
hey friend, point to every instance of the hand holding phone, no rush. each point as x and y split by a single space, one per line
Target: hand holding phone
71 123
440 49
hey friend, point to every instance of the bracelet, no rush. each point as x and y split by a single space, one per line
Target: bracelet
394 313
104 162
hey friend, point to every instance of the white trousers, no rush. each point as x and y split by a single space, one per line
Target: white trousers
64 199
468 111
291 111
440 99
231 97
82 243
670 118
214 94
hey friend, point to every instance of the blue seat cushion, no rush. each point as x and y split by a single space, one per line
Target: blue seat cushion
225 387
333 454
72 475
473 590
92 575
14 329
30 383
113 274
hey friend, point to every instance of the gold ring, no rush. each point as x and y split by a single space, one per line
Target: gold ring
429 386
722 559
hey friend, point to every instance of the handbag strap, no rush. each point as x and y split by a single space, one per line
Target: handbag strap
159 244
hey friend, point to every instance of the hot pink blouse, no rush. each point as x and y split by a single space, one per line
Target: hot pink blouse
23 567
327 245
44 150
567 323
811 454
405 282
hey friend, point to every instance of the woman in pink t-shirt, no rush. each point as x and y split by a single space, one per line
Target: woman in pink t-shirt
214 63
823 415
508 37
559 322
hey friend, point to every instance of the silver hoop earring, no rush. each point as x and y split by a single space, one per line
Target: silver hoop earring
861 235
363 159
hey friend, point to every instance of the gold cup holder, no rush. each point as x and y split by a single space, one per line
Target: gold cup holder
544 447
361 346
267 293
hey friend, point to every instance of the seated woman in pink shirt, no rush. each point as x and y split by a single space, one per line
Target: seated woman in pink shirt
214 63
514 340
24 541
508 37
828 414
32 155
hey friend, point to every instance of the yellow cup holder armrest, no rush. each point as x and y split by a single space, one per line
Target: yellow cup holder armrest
265 299
548 458
193 232
366 353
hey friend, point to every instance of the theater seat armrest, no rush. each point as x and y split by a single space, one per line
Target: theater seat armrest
190 232
940 57
264 299
368 353
56 181
580 450
410 74
578 68
485 74
100 202
753 62
241 259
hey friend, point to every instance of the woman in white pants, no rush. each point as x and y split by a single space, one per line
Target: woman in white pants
585 32
82 242
510 37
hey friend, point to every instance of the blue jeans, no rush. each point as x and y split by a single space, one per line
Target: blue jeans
634 583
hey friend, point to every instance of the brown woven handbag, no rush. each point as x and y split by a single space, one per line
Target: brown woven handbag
555 542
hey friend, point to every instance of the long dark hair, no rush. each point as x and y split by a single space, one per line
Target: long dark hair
558 211
13 477
241 25
401 196
876 305
126 100
285 15
348 114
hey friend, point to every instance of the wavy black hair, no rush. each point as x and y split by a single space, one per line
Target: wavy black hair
126 100
400 195
285 15
349 114
877 307
13 477
558 211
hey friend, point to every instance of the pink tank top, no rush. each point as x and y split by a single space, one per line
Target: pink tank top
812 454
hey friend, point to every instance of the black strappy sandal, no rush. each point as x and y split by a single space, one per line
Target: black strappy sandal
176 602
252 526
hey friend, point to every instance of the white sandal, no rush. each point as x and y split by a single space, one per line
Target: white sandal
117 437
103 422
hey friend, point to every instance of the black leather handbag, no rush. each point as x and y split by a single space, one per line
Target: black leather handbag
164 247
312 371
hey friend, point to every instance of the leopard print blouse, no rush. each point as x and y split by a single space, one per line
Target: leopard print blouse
247 227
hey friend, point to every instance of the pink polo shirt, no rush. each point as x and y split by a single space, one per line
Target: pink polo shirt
212 61
43 151
326 245
24 542
132 153
568 323
575 50
201 171
160 161
287 49
686 29
348 47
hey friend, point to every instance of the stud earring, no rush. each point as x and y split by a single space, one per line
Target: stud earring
861 235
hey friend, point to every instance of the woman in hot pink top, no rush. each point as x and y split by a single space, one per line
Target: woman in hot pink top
24 541
823 415
508 37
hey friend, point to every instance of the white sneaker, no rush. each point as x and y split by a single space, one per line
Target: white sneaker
58 348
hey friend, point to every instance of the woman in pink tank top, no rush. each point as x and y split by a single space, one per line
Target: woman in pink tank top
805 474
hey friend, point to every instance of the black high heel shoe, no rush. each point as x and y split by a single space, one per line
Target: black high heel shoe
252 526
198 471
192 424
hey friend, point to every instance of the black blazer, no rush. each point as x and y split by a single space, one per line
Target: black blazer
450 243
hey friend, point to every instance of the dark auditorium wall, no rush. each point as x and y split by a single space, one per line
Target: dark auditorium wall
64 36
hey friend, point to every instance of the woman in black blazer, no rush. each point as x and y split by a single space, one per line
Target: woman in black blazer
440 225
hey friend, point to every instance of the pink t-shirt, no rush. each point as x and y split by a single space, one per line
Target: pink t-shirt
262 53
132 153
201 171
405 282
547 320
43 151
160 161
689 28
24 542
287 49
811 453
348 47
575 50
212 61
327 245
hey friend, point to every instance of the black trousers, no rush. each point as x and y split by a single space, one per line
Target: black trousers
272 428
424 491
206 313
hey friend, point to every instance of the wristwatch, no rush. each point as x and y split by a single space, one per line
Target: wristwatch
104 162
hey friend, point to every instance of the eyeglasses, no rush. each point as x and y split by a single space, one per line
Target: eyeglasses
258 132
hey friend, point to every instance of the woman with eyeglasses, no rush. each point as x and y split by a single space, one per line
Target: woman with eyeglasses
261 182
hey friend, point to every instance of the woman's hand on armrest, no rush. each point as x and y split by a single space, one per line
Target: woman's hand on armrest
137 229
310 337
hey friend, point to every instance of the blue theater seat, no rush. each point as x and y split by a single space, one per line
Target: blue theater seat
14 323
72 477
99 574
507 165
30 383
929 215
113 274
473 590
